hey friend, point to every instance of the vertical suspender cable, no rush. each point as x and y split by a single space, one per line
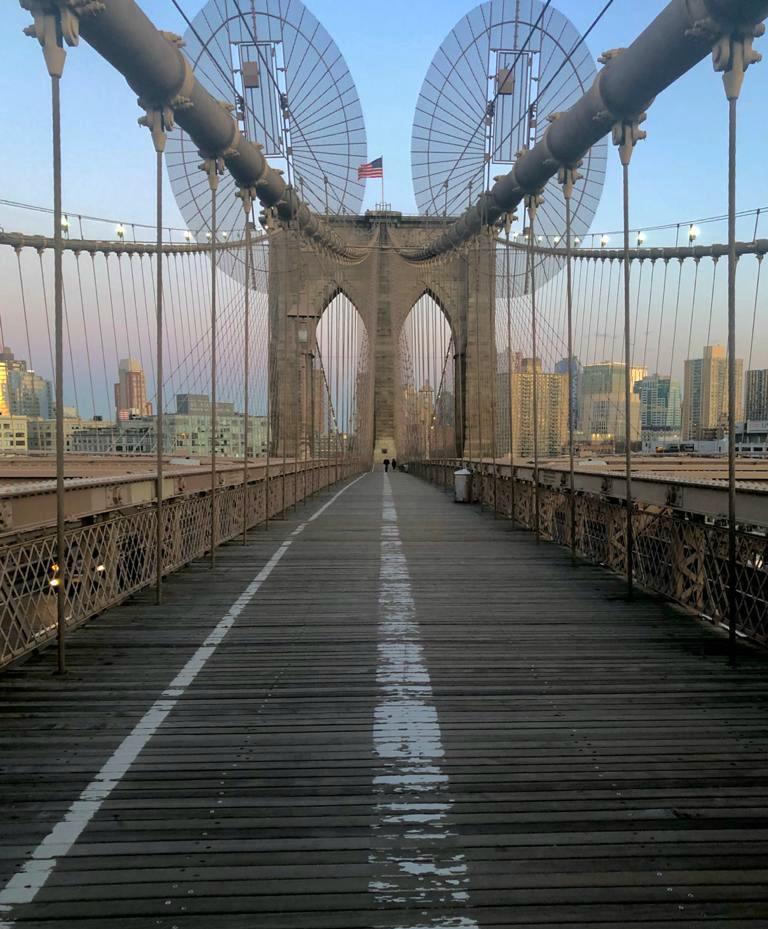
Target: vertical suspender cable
154 121
282 424
335 382
211 166
110 401
58 285
467 449
48 31
214 417
493 367
85 334
24 306
347 380
478 370
512 488
297 424
160 433
267 484
732 261
567 191
45 307
733 55
626 134
628 388
313 434
246 361
533 203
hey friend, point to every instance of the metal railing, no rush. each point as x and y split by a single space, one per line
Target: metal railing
115 556
678 555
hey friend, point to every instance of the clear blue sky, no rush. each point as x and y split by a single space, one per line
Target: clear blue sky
678 174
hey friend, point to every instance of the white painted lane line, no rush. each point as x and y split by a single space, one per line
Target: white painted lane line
415 867
24 886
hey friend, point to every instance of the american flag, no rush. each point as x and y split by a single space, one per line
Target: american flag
372 169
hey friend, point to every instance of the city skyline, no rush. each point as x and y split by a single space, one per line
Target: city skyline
658 404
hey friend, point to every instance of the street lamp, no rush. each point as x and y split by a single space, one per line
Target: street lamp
209 236
693 233
65 225
641 237
120 231
604 240
188 236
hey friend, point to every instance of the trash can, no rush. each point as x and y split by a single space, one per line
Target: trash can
462 486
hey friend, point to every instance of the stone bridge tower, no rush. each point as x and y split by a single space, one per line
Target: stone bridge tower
384 286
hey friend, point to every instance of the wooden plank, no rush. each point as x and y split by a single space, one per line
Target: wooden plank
603 763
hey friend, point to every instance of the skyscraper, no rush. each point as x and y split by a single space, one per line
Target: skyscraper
756 403
602 401
705 394
660 403
131 391
552 393
22 391
575 366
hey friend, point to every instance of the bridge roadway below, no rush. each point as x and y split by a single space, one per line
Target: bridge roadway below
399 713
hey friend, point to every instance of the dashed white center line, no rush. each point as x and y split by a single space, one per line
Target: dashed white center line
414 862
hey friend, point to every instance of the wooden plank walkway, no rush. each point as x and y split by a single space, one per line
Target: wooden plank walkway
419 719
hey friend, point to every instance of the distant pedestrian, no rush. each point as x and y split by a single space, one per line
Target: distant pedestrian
386 464
394 464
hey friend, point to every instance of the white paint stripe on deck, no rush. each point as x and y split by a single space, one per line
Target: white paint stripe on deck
415 866
24 886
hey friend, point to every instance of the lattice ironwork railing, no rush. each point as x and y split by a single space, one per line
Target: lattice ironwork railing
110 560
682 559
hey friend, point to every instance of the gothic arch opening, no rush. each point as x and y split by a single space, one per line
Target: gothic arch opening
426 410
341 386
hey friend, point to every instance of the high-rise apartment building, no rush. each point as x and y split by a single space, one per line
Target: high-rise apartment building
22 391
131 391
660 403
602 403
552 421
575 367
705 394
756 400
